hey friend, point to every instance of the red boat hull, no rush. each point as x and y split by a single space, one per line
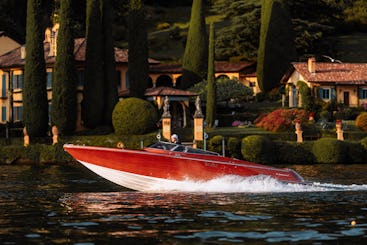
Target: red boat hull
177 166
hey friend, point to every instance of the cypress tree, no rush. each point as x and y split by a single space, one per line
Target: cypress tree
211 86
111 94
35 102
94 96
138 50
63 109
276 48
195 59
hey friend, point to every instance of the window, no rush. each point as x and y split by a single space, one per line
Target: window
49 79
17 81
3 86
325 94
18 113
3 113
363 93
81 78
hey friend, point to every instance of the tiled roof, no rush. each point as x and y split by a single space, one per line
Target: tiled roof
338 73
168 91
160 91
220 66
13 58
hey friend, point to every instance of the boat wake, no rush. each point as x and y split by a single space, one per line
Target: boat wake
254 184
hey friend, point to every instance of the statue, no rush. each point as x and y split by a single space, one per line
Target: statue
198 112
166 112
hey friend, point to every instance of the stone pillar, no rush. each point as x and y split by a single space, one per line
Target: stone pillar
291 96
26 137
339 130
299 131
166 120
198 122
55 135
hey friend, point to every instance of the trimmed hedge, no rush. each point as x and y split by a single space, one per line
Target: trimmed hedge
258 148
330 150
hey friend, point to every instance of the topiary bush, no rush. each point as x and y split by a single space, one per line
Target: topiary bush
234 147
134 116
258 148
330 150
361 121
215 144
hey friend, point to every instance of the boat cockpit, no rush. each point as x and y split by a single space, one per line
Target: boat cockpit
180 148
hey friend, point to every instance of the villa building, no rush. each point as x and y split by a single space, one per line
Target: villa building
161 75
346 83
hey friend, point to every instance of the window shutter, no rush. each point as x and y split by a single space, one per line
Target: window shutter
3 113
332 93
319 92
360 93
49 79
3 90
20 81
14 80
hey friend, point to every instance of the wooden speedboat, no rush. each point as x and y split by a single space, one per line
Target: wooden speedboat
166 163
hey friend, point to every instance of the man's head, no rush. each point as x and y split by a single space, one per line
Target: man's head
174 138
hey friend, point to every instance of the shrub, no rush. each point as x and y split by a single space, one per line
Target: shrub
361 121
234 147
134 116
215 144
258 148
364 142
356 153
282 119
294 153
330 150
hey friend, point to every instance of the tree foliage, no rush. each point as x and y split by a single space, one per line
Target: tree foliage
211 102
138 50
276 48
94 96
226 89
110 76
239 37
99 90
63 110
35 102
195 59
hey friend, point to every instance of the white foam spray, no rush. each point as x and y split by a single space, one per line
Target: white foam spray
253 184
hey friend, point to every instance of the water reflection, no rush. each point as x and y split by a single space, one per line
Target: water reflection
68 205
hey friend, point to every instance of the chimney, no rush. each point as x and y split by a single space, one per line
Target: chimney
22 52
311 65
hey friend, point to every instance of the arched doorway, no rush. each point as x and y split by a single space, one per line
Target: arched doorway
164 81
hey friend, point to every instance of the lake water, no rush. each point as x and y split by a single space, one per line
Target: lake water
67 204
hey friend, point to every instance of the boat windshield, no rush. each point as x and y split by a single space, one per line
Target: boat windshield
180 148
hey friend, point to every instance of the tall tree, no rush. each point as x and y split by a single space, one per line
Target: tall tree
94 96
276 49
35 102
238 39
211 101
195 59
63 109
111 93
138 73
